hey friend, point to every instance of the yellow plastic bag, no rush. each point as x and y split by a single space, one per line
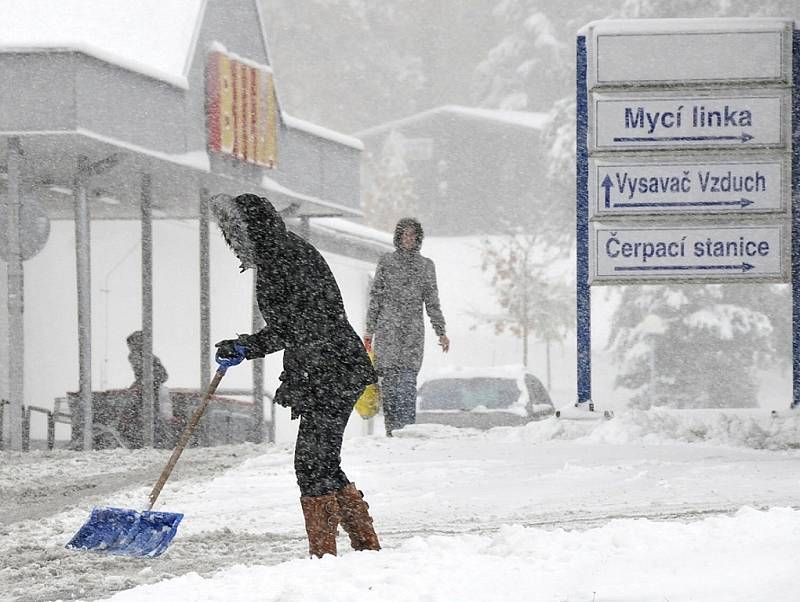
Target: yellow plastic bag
370 400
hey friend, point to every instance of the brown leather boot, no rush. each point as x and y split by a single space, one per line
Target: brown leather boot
356 519
322 517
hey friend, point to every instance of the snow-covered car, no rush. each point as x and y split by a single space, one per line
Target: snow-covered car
482 398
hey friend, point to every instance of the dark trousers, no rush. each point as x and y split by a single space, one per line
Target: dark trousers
399 398
318 451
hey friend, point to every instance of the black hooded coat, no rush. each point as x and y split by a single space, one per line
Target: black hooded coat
325 364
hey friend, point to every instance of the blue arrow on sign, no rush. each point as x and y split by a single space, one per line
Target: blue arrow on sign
743 137
741 203
744 267
606 183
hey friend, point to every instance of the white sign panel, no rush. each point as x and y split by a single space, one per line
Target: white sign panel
690 51
694 186
725 120
721 253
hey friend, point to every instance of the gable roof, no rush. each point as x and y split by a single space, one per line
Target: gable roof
519 119
152 37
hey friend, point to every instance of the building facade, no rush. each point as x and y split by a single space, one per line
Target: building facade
117 123
472 171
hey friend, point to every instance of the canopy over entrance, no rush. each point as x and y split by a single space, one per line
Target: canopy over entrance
142 111
114 185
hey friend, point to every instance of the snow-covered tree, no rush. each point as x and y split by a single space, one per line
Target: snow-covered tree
698 345
340 62
533 296
530 68
524 70
384 60
352 64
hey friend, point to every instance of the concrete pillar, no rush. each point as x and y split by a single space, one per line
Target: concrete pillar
205 291
148 396
83 270
15 299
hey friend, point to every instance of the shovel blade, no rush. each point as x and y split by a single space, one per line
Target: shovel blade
124 532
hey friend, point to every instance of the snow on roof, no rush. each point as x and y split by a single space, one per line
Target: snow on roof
345 227
321 132
217 46
194 159
270 184
528 119
524 119
152 37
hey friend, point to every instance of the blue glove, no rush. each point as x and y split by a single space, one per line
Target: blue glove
230 352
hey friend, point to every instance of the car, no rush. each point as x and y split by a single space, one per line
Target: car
482 398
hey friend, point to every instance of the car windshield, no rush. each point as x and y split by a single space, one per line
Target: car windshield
468 393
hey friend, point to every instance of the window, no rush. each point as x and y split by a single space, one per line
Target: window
468 393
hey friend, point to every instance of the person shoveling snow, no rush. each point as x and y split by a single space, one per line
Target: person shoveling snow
325 366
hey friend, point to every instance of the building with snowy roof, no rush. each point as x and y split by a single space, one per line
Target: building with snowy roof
473 170
119 114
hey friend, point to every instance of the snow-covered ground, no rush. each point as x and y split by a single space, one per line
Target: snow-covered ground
650 506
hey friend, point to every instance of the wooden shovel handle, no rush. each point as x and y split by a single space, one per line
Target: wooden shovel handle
184 438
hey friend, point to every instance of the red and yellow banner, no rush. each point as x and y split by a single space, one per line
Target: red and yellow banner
241 110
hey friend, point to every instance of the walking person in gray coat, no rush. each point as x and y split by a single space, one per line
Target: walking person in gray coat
404 281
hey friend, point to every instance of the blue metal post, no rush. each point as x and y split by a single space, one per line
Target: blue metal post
795 222
582 292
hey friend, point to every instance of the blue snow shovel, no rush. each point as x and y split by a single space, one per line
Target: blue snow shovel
125 532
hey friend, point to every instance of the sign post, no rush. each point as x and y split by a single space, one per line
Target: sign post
686 166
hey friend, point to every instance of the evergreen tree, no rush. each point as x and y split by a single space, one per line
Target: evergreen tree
700 346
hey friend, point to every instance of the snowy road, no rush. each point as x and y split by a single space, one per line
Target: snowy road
551 494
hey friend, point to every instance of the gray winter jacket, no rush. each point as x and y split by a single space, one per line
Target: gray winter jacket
404 280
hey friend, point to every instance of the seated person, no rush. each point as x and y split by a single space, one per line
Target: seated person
131 426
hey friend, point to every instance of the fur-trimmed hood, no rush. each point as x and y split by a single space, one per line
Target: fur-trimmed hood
250 225
402 225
